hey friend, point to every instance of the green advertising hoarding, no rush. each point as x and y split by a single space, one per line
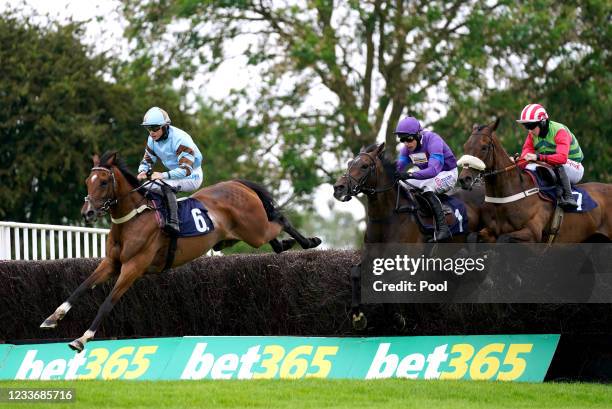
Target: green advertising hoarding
476 357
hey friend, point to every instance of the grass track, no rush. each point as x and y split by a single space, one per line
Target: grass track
311 393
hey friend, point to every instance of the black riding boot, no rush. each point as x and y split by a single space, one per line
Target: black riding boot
566 199
172 223
442 230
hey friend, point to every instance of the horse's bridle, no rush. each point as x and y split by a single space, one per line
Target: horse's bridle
491 151
356 186
108 203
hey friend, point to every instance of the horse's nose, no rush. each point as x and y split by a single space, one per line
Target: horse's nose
89 216
465 182
339 190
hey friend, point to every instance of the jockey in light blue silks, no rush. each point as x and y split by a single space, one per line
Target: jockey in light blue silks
178 153
436 163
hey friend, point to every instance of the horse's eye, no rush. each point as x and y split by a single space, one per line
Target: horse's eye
364 166
103 183
484 148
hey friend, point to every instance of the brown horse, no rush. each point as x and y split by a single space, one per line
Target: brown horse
375 176
240 210
524 217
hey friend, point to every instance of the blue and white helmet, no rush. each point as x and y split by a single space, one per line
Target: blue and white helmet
156 116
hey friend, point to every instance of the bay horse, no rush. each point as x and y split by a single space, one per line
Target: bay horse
374 175
524 216
239 209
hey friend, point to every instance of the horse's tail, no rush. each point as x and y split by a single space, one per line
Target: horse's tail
266 198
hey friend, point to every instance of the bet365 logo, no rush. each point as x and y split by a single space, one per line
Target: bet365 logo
499 361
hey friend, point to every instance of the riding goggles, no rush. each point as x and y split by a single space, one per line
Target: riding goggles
152 128
407 137
530 126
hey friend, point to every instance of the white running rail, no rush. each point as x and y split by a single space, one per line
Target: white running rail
25 241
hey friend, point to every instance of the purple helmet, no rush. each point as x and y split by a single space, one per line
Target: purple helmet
408 125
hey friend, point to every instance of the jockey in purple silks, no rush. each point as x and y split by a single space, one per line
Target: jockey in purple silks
436 167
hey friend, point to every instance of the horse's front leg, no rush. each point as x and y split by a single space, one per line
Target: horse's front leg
101 274
130 272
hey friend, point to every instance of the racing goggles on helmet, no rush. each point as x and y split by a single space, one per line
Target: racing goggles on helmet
152 128
530 126
408 137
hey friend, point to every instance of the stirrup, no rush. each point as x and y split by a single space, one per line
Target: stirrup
441 237
567 203
171 228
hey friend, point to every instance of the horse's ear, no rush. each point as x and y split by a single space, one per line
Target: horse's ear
496 123
112 157
380 150
96 160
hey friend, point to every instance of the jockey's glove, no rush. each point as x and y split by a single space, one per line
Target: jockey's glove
404 175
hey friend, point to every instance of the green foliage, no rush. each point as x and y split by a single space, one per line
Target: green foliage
58 110
54 109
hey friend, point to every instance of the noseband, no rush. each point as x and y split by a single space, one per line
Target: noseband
108 203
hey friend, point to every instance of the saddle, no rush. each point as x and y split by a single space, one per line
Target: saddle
193 216
454 210
547 183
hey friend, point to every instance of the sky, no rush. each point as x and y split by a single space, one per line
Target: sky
104 32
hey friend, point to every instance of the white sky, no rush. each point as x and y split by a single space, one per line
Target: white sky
106 35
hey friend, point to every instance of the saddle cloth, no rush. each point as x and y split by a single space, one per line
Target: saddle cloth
455 213
193 216
548 191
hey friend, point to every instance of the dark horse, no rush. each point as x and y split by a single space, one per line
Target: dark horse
240 210
524 217
375 176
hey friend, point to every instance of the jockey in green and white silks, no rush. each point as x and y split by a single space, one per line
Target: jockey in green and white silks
177 152
553 143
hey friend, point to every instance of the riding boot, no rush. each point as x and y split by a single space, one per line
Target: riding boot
172 224
442 230
566 199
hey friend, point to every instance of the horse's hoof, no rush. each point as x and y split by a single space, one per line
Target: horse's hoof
360 322
47 324
399 322
314 242
76 345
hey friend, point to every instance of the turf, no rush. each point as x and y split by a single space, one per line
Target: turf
311 393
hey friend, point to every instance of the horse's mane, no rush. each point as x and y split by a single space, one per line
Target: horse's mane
120 164
389 166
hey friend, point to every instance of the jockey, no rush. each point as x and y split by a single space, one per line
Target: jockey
553 143
178 153
436 163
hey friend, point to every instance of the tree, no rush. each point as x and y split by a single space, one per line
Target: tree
59 108
570 74
336 74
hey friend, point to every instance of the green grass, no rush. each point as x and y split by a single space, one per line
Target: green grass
353 394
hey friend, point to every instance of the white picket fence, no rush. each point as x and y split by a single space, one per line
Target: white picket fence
25 241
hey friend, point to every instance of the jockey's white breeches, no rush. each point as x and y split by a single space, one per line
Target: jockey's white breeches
441 183
186 184
573 169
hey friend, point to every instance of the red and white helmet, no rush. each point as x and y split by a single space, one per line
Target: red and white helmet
532 113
